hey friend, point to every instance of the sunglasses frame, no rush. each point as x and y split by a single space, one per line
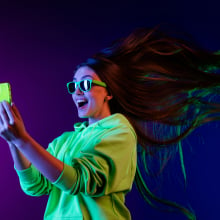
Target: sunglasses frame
92 81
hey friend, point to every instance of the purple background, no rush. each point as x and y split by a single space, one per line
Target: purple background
41 44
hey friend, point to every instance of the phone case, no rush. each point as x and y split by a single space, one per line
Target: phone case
5 92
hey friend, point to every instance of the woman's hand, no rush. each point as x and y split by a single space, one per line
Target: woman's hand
11 124
24 149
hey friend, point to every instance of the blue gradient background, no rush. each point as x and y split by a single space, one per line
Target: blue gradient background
41 44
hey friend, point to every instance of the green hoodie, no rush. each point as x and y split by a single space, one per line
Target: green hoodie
99 169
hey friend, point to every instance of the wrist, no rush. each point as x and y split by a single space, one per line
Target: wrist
12 147
21 141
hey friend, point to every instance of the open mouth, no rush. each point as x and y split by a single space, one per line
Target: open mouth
82 103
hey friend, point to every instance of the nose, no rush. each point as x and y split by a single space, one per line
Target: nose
78 91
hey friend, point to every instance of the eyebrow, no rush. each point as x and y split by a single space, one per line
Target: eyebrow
84 77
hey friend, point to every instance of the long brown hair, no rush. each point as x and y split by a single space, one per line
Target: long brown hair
159 79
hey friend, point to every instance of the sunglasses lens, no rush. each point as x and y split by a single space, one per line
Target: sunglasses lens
85 85
71 87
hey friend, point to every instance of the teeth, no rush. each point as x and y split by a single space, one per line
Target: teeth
80 101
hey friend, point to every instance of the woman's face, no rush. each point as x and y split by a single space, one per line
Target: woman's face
94 103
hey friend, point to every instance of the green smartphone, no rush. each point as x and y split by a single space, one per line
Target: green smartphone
5 92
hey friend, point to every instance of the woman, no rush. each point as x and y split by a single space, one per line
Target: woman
86 172
145 80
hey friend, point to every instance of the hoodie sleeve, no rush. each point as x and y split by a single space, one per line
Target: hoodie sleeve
32 182
107 167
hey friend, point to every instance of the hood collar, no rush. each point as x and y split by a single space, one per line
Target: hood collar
107 122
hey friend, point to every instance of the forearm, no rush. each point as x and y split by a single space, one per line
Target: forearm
35 154
28 151
20 161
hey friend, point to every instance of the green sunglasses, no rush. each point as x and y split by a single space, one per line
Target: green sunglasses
85 85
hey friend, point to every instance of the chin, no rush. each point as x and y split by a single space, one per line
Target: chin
80 115
83 116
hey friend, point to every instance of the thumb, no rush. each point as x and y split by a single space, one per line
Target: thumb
15 110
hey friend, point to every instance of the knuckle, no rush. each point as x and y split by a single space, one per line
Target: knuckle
2 111
6 128
3 131
12 123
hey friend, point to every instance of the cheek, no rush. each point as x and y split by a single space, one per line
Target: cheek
98 94
96 100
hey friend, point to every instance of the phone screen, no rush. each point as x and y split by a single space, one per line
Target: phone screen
5 92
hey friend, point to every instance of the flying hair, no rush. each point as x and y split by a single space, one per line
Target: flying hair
166 86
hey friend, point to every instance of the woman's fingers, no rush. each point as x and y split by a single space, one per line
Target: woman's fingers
9 113
3 115
15 111
11 123
4 122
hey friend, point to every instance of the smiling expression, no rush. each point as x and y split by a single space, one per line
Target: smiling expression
94 103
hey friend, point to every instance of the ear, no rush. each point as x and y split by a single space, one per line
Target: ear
108 97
